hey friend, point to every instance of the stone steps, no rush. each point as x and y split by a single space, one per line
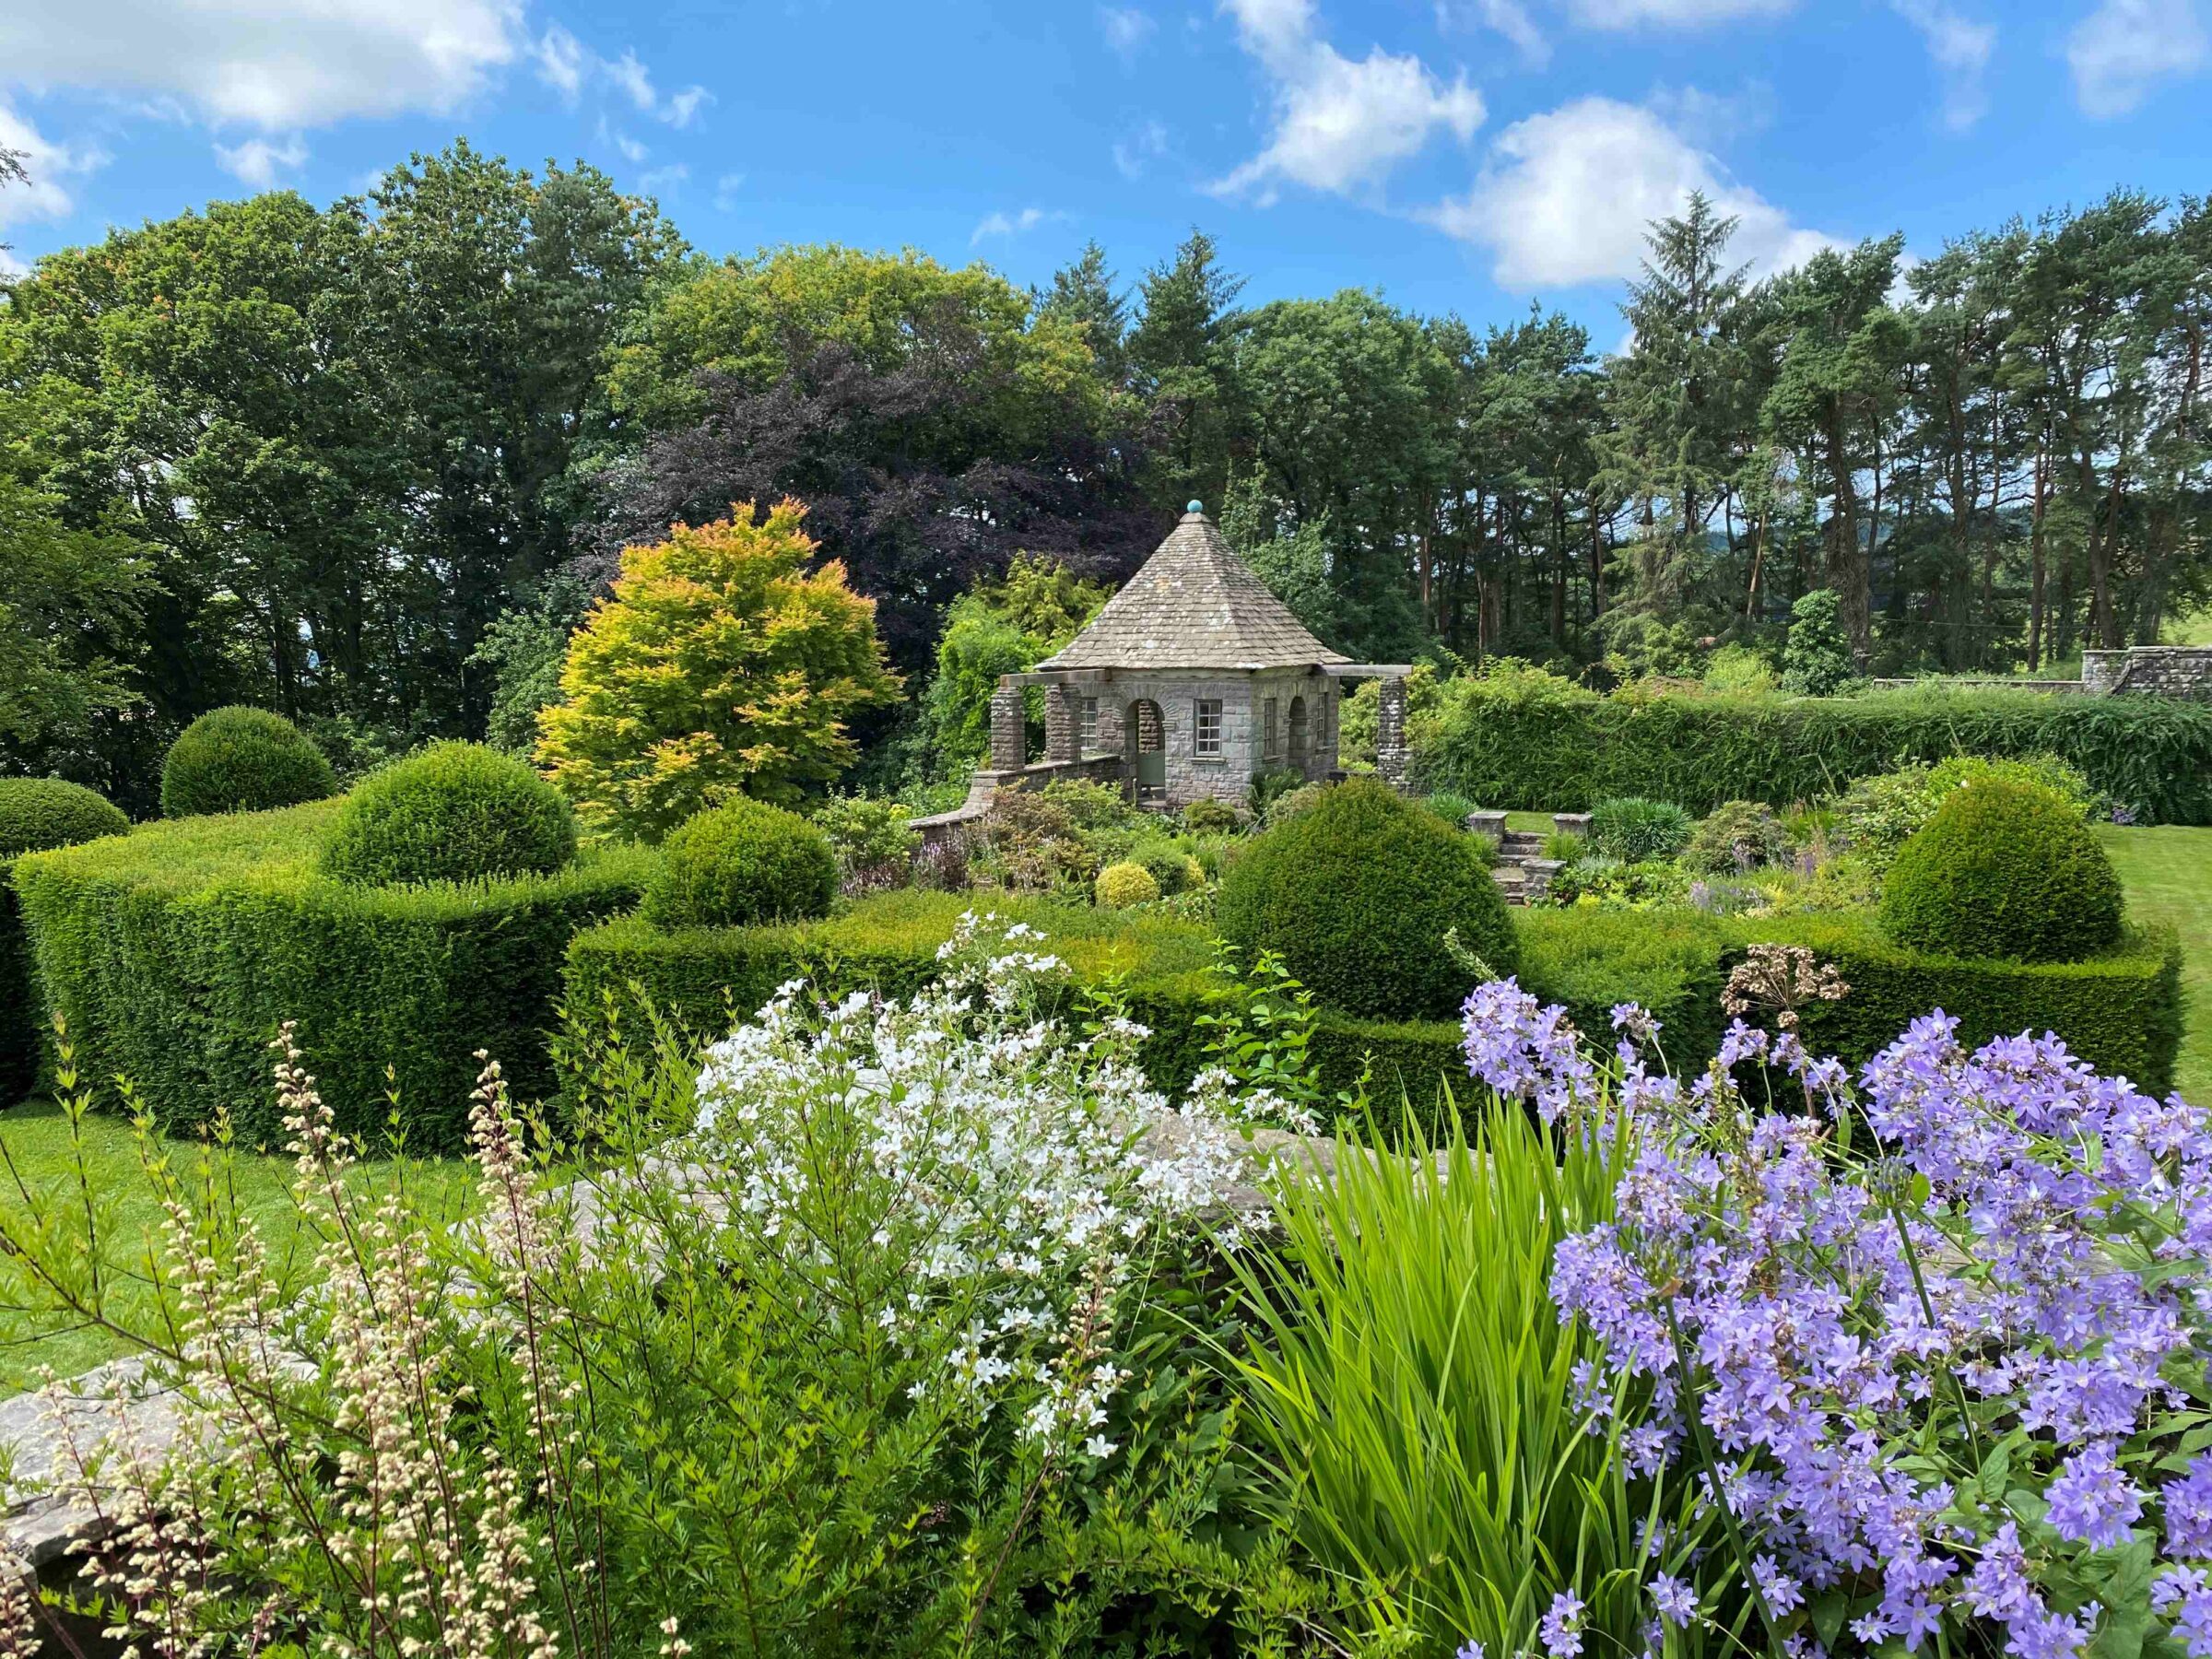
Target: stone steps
1522 873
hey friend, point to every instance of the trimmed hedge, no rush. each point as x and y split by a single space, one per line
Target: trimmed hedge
741 862
35 814
241 758
453 812
1537 743
2003 869
176 951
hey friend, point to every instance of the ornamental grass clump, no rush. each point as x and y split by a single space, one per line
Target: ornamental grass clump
1935 1339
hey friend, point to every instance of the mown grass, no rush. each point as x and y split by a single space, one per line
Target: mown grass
40 1159
2166 873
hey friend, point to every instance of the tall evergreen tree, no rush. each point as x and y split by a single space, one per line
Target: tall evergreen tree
1175 359
1083 294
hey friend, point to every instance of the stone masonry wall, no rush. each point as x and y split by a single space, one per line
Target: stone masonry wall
2149 671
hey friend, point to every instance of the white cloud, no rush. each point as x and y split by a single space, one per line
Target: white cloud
1670 14
627 147
725 191
1134 154
632 78
1127 29
662 179
47 163
1012 224
1565 197
274 64
257 161
1509 19
1960 49
1340 125
561 60
2124 47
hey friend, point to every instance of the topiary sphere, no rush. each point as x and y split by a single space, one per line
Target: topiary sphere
1356 893
38 813
452 812
1122 885
243 760
2003 869
741 862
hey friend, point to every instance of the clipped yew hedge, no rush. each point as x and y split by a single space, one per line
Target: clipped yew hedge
177 951
1536 743
35 814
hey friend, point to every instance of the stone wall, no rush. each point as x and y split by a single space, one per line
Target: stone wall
2149 671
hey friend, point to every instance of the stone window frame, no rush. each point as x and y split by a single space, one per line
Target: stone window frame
1271 729
1208 729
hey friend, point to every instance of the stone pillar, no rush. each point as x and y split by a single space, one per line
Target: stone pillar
1009 749
2101 671
1107 739
1063 723
1390 733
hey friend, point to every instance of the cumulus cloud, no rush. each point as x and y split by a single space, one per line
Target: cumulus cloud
274 64
1126 28
257 161
1012 224
561 61
1670 14
1506 17
1960 49
1340 124
2121 51
1565 195
48 163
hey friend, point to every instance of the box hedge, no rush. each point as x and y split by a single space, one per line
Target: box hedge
35 814
1537 743
2121 1011
175 953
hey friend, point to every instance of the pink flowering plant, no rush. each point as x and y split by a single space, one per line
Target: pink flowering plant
1929 1342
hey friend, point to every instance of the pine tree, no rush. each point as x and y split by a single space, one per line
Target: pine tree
1083 294
1175 361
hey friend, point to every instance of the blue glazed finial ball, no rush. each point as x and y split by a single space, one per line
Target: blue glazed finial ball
1195 507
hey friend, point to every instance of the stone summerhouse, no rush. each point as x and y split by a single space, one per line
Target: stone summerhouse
1193 678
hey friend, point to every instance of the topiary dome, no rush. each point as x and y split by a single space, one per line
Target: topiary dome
243 760
1356 894
742 863
38 813
2003 869
453 812
1122 885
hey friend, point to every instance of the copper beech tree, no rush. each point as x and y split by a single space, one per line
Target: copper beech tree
721 665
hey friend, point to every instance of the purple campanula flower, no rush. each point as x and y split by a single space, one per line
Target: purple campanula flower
1560 1630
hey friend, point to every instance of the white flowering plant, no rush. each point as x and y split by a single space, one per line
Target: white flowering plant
887 1333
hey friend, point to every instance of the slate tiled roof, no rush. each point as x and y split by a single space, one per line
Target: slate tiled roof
1194 605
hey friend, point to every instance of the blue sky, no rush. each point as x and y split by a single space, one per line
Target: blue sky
1467 155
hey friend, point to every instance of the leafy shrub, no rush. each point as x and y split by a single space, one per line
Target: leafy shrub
35 814
1206 816
1736 836
867 833
1537 742
1816 659
1090 805
1006 627
177 950
1356 896
740 863
454 812
1739 669
1648 884
1565 845
1272 785
1453 809
243 760
720 664
1030 844
1168 865
1878 815
2003 869
38 813
1295 803
1632 830
1122 885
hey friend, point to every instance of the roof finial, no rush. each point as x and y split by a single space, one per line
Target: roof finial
1195 507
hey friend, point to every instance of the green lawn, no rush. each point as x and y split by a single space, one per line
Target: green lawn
36 1141
2168 875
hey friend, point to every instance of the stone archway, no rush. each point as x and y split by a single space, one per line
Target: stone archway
1143 743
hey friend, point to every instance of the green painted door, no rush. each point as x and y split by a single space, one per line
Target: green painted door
1151 770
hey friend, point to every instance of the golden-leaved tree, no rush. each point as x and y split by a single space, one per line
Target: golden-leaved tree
721 665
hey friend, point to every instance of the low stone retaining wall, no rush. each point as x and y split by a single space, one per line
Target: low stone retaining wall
2140 671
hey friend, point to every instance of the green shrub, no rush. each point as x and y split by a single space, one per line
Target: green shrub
1030 844
1738 669
453 812
243 760
868 833
1453 809
1091 806
1631 829
35 814
1816 659
1206 816
177 950
1356 896
1174 870
38 813
1535 741
1736 836
1272 785
1565 846
1122 885
741 862
1876 814
1294 803
2007 870
1648 884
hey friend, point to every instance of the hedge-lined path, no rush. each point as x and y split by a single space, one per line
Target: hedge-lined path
2166 873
